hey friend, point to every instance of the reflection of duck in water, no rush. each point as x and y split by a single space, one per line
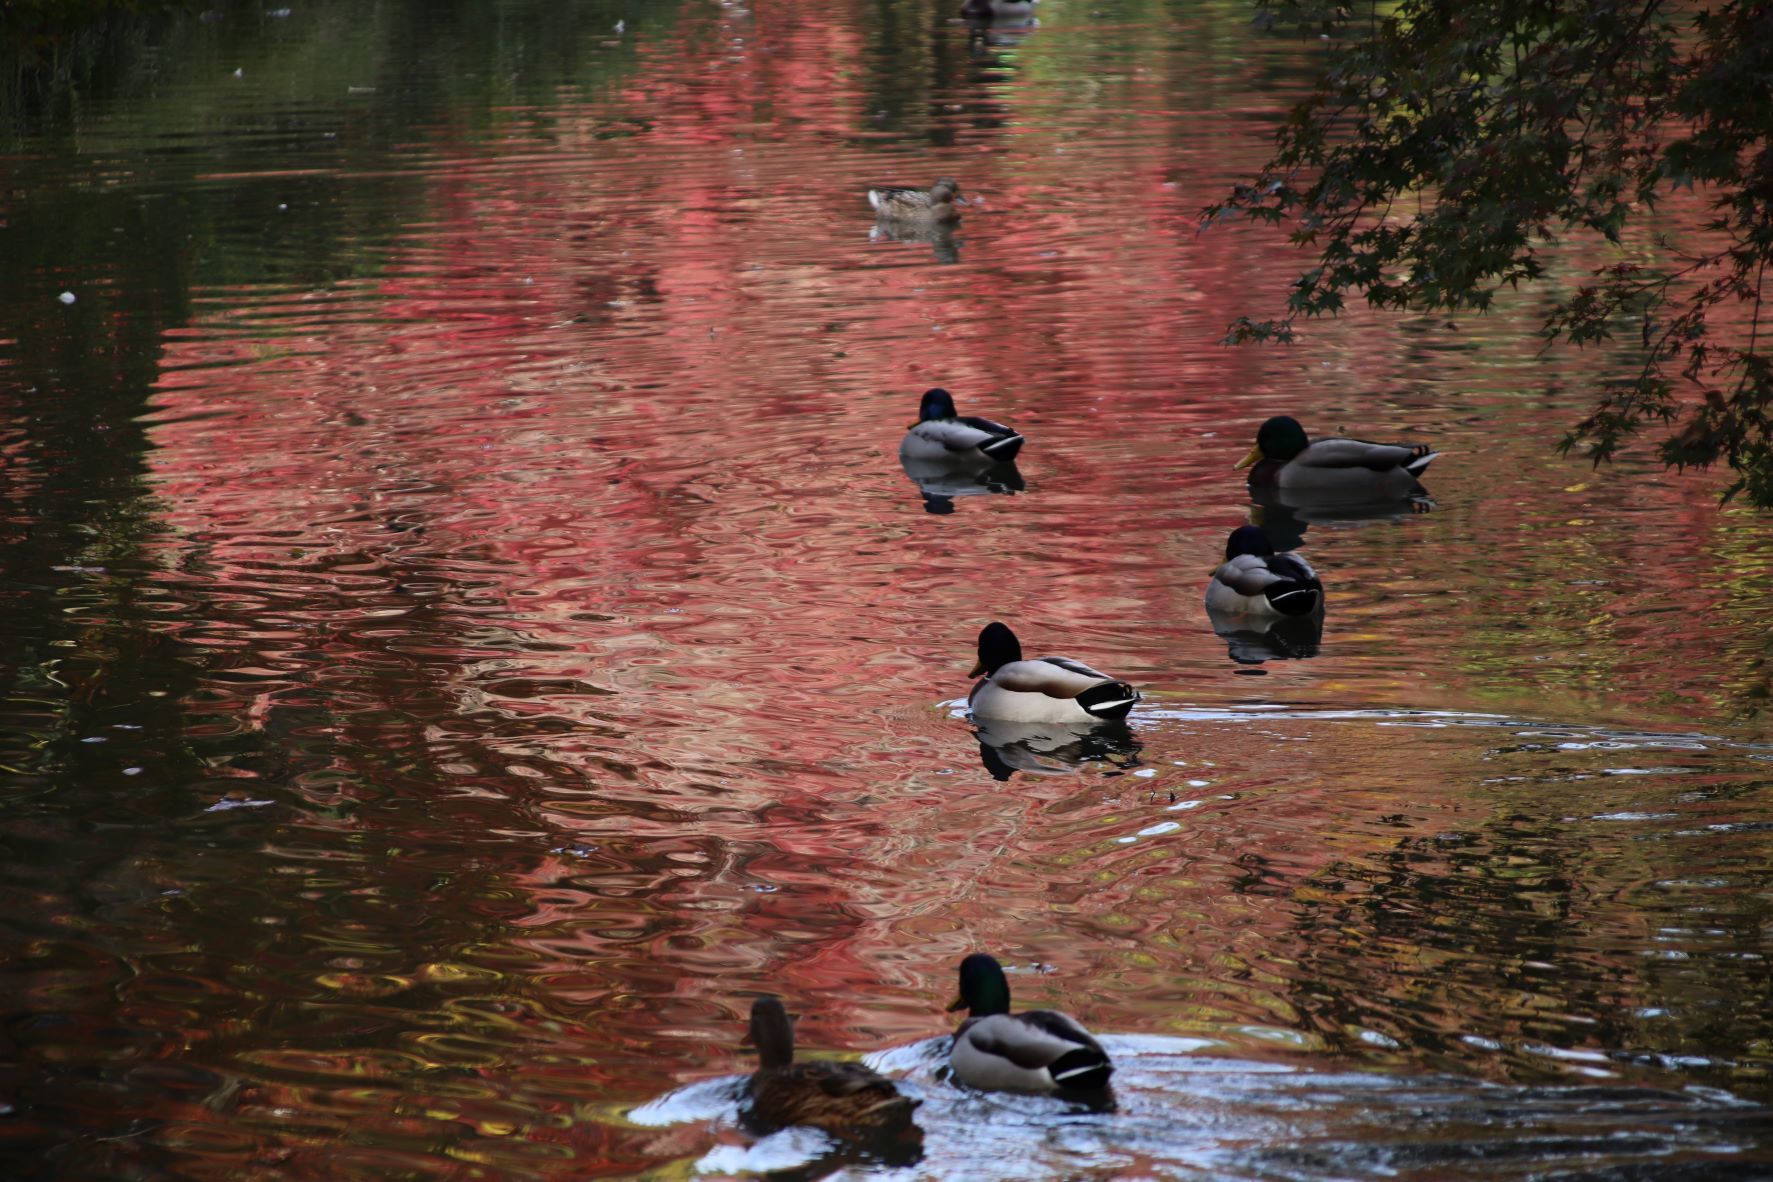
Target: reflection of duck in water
1255 581
1052 748
938 204
1251 640
1034 1051
1338 471
847 1100
940 236
1050 689
940 483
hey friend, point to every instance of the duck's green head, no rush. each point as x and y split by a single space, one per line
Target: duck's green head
1279 439
937 404
983 987
772 1033
1247 539
998 647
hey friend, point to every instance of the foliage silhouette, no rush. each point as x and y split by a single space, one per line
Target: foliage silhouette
1448 145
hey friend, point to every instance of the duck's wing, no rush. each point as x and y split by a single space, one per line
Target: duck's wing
1358 453
1046 1043
830 1095
1078 667
989 426
1083 1064
886 196
1004 443
1056 677
961 434
847 1079
1094 692
1247 574
1031 1040
1290 566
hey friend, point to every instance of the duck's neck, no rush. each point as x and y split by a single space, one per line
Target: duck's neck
774 1038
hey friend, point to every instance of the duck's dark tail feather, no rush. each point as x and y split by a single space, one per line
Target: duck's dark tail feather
1294 599
1110 700
1086 1069
1003 450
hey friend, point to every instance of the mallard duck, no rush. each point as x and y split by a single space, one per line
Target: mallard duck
1001 10
939 203
1034 1051
1256 581
941 434
1345 469
1051 689
845 1099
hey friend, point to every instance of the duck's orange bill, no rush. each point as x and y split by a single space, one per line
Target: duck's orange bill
1254 457
977 669
960 1003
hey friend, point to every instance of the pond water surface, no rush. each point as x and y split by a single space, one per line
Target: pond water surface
467 631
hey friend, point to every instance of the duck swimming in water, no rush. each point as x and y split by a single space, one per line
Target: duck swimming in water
939 203
1034 1051
1050 689
1255 581
1286 460
942 434
845 1099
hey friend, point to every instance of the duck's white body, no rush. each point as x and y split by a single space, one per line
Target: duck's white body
1034 1051
1268 586
1046 690
959 441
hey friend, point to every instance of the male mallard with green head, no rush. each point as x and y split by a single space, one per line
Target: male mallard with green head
1034 1051
939 203
1255 581
1345 469
942 434
844 1099
1050 689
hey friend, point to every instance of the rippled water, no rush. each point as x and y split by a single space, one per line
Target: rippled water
468 630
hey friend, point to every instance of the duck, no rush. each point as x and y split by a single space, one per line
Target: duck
943 435
1286 460
1001 10
1034 1051
1050 689
939 203
1256 581
847 1100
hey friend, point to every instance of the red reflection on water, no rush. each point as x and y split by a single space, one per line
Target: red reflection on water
567 567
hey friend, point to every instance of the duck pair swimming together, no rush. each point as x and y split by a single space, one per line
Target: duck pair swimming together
994 1050
1284 459
1253 581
